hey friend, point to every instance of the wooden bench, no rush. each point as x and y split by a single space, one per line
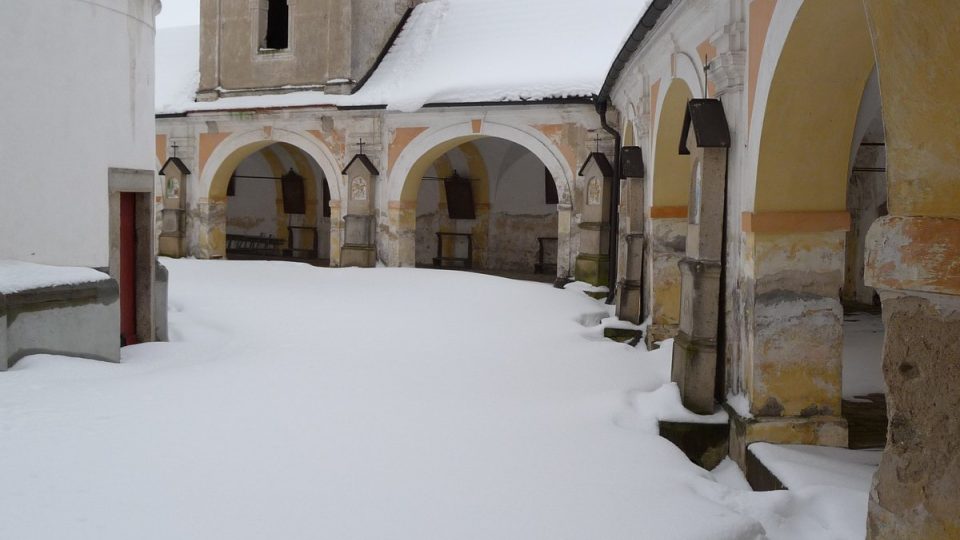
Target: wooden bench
441 260
247 245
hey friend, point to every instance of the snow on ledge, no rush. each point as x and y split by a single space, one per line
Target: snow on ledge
799 466
19 276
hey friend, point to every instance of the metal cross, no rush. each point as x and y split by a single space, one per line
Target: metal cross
175 146
598 142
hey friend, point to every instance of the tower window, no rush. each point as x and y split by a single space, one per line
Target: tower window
277 23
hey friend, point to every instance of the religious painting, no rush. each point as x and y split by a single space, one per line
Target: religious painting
594 191
358 189
173 188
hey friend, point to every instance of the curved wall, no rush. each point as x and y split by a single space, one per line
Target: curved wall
77 100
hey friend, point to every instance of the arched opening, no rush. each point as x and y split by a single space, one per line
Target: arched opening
486 204
864 390
667 235
277 205
818 141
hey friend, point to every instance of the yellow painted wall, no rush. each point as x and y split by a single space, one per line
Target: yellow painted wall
671 171
918 51
811 111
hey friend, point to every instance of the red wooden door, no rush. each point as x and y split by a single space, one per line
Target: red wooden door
128 268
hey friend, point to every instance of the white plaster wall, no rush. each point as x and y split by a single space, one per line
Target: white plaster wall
77 95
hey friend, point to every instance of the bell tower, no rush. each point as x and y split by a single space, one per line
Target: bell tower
251 47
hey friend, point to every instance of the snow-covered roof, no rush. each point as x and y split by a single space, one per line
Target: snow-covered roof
449 51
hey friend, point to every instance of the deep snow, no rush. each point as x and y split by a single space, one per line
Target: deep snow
297 402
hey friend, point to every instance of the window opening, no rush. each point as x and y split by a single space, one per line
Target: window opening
277 25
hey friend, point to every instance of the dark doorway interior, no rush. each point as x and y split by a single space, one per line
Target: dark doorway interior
128 268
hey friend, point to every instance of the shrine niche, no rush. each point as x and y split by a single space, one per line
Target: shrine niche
173 212
593 262
359 242
631 283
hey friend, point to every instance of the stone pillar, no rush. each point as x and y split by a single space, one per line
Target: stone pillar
914 263
564 239
402 235
695 350
209 218
631 289
666 241
913 259
631 254
336 233
790 370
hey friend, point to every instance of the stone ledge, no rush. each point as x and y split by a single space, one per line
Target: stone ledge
816 430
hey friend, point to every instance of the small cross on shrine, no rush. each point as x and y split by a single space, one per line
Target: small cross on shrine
174 146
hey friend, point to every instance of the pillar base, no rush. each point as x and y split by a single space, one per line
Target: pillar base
629 307
695 371
816 430
592 269
660 332
172 245
361 256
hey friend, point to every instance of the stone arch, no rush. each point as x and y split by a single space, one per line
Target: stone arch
398 246
424 149
805 131
811 79
227 156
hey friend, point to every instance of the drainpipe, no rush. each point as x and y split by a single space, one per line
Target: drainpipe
614 202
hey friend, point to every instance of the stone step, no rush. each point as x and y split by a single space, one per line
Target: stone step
705 444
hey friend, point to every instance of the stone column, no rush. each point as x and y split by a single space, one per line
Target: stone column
209 223
564 239
790 371
402 235
695 350
629 308
913 259
336 233
666 241
914 262
631 251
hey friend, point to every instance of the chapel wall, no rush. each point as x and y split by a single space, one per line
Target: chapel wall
57 195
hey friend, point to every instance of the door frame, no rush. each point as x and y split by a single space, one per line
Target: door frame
142 183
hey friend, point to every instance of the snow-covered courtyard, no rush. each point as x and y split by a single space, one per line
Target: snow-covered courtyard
297 402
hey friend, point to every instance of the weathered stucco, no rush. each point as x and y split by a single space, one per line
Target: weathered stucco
915 492
667 245
795 323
